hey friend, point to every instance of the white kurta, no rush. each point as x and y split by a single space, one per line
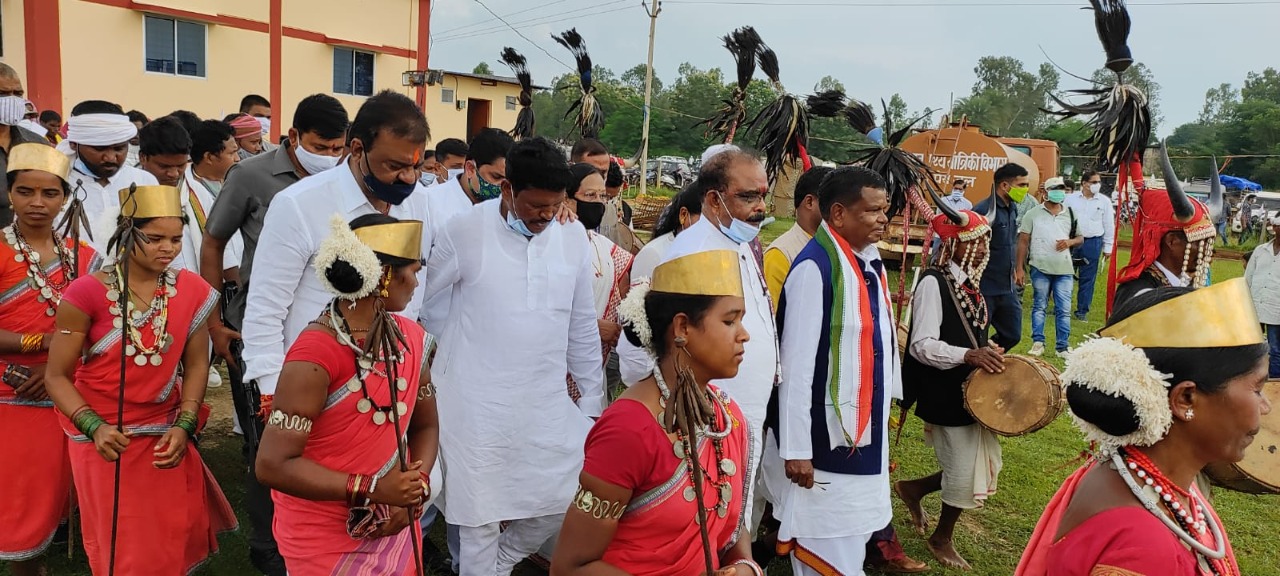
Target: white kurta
193 236
285 294
602 270
634 362
848 505
445 200
521 317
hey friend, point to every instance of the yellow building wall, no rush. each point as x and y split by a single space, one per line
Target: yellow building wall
236 63
307 68
376 22
449 122
259 10
15 40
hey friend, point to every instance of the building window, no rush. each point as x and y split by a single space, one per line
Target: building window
352 72
446 95
174 46
511 102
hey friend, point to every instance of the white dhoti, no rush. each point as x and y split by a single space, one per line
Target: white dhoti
488 550
825 556
970 459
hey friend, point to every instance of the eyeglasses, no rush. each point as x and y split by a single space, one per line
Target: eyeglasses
749 197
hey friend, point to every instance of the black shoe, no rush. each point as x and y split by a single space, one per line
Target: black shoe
436 560
268 562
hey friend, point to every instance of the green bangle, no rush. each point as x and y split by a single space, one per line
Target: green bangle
88 422
187 422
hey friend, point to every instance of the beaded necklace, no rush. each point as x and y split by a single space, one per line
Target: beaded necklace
156 314
49 291
1130 462
366 364
685 449
972 304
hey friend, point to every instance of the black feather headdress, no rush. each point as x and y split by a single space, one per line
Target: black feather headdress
826 104
743 43
590 119
781 127
524 127
1118 114
903 172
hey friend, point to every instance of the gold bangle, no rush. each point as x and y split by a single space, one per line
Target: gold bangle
599 509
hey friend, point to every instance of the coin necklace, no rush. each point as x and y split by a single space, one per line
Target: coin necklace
156 314
49 292
683 448
366 364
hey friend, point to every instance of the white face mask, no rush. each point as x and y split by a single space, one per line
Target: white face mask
427 178
12 110
314 163
1096 188
454 173
132 158
266 125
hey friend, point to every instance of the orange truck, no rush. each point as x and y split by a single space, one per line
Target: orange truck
962 151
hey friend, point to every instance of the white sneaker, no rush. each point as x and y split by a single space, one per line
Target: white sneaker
1037 349
215 379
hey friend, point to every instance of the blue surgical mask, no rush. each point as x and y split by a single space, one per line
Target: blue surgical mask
454 173
957 192
427 179
486 190
515 224
737 230
394 193
1056 196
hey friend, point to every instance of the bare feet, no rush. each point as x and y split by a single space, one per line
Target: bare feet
946 553
919 520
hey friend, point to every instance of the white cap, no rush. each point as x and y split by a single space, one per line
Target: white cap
716 149
1055 183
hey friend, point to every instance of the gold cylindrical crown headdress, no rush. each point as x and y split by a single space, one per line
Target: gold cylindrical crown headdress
401 239
711 273
150 202
34 156
1220 315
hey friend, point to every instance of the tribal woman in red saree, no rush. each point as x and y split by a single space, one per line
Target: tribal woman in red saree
36 265
170 508
1172 384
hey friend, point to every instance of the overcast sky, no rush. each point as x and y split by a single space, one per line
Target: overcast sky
923 49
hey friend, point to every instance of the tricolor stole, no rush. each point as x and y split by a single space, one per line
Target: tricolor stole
841 254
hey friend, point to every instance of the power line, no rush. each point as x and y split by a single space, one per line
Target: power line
937 4
521 34
537 21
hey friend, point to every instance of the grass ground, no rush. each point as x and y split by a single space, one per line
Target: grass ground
991 539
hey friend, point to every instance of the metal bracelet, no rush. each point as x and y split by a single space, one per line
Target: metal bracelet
599 509
289 422
755 568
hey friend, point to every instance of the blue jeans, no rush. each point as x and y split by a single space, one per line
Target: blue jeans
1061 285
1006 318
1273 340
1091 251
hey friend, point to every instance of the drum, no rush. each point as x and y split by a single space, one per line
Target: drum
1259 472
1024 398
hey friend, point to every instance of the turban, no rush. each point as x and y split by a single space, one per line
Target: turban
246 126
975 226
100 129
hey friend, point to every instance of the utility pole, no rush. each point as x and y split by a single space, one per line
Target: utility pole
648 96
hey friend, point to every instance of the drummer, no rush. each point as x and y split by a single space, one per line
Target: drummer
947 341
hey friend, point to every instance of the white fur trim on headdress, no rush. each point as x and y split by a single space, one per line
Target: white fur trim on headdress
343 245
1117 369
100 129
631 312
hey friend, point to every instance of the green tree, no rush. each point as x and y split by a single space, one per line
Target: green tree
1262 86
1218 104
482 68
1006 99
634 79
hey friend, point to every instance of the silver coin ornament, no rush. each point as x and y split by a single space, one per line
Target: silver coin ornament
363 406
379 418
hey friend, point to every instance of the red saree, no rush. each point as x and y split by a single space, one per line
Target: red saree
1126 541
33 503
312 535
658 534
169 519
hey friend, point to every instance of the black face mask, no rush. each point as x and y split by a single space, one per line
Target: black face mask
590 214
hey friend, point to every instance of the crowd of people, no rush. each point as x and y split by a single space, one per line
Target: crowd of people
473 334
